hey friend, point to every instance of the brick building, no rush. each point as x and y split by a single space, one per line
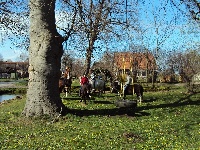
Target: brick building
141 65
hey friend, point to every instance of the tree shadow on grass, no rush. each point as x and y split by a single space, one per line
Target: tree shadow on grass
149 100
181 102
92 99
129 112
123 111
71 98
102 102
75 98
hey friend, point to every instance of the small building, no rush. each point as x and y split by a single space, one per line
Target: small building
13 69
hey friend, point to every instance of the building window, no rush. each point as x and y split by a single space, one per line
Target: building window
138 74
144 73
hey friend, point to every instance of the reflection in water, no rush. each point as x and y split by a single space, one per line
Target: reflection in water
7 97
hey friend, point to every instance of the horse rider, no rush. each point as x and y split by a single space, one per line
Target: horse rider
84 80
67 72
92 77
127 83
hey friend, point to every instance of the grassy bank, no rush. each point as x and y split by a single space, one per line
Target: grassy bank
165 120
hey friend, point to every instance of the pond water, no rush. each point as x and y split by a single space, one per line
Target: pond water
7 97
6 83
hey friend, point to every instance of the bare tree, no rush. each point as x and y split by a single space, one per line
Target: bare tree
192 7
187 64
14 22
96 22
67 60
77 69
105 62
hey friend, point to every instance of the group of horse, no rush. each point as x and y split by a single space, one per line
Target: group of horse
86 90
99 86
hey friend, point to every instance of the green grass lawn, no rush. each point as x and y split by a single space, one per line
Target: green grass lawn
164 120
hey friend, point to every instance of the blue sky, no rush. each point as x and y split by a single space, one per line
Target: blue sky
9 52
179 31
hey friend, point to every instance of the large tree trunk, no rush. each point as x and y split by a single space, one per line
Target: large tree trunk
45 53
89 52
88 59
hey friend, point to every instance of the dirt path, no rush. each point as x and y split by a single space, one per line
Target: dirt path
10 85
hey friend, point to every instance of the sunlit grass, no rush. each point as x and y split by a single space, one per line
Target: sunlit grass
165 120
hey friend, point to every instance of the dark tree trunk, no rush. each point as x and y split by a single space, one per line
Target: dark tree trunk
89 52
45 53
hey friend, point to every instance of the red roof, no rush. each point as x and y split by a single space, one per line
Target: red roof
139 61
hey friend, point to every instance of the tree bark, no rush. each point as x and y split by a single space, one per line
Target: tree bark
89 52
45 51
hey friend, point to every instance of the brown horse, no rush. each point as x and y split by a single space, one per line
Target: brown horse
135 89
85 92
65 85
65 82
130 90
